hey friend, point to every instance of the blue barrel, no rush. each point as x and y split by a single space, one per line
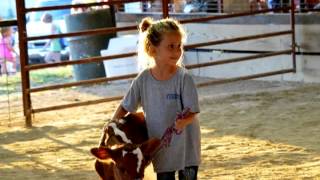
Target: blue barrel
89 46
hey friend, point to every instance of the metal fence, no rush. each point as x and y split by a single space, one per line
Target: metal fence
220 6
27 90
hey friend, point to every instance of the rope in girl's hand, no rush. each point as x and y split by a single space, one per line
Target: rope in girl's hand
168 134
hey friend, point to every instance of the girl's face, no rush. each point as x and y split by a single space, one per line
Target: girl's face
169 51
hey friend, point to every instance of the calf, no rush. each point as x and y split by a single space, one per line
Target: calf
125 150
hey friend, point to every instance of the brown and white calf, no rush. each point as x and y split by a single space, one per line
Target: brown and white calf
125 150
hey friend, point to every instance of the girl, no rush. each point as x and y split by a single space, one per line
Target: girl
7 52
164 89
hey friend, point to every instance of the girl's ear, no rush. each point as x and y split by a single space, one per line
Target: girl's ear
152 51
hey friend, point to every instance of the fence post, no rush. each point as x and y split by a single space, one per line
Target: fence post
165 8
293 36
23 47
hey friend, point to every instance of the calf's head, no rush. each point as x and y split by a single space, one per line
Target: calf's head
130 160
130 129
125 150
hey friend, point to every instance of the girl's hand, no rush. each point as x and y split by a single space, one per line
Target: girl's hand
179 125
183 119
105 127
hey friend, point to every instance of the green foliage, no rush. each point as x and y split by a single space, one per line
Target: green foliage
51 76
12 83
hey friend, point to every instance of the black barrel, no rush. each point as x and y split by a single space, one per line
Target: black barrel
89 46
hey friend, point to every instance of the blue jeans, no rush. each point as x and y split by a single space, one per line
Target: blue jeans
188 173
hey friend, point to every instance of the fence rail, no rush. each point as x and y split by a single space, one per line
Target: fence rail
166 9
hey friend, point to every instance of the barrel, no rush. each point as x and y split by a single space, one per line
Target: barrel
89 45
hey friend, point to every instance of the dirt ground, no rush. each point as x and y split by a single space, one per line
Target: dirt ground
250 130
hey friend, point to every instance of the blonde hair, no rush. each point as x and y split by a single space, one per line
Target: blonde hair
151 34
6 31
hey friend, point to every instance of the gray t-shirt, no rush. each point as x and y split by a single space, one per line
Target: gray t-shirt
161 101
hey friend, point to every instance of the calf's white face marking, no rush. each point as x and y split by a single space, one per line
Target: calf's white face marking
121 121
117 131
139 155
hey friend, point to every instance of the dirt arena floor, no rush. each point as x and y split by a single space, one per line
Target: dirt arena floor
250 130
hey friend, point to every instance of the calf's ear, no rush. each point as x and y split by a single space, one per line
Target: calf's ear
104 153
100 153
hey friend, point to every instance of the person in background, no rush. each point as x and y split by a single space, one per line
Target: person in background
279 4
257 5
0 48
54 46
7 52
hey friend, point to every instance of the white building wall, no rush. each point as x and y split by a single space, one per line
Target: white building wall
307 38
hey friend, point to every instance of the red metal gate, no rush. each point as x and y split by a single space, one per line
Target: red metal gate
26 68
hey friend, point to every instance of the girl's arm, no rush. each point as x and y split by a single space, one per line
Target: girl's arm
185 121
8 45
53 31
119 113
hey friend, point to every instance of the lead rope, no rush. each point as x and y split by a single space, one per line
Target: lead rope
166 138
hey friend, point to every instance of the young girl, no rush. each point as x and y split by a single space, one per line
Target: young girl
164 89
7 52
